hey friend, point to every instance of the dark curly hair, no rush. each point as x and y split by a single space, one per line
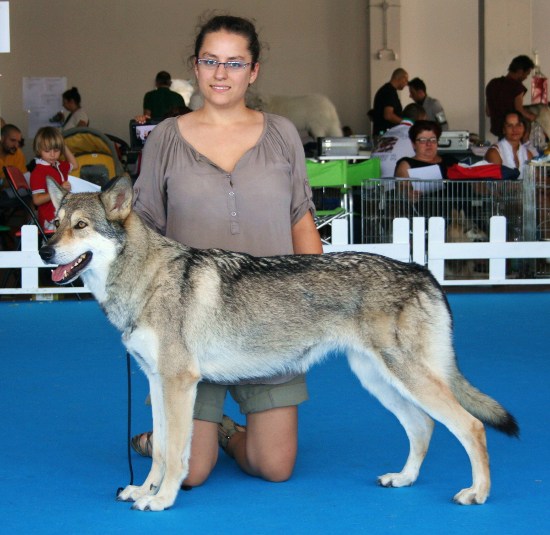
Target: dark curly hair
421 126
228 23
72 94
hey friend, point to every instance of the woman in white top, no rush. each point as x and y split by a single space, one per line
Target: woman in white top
77 116
510 149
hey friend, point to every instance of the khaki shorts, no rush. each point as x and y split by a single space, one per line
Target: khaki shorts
251 398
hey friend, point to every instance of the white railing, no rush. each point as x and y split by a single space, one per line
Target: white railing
406 246
27 260
400 248
497 251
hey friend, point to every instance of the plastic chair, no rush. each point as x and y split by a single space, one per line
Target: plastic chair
342 176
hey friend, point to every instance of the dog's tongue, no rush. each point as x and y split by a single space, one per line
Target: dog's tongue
58 274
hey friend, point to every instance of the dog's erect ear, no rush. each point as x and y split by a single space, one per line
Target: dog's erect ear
117 198
56 192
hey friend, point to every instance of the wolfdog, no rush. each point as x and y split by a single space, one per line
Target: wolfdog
187 314
463 229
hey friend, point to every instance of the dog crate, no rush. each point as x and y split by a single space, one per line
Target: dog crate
475 202
467 207
537 209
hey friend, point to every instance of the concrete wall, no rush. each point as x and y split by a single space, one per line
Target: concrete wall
111 50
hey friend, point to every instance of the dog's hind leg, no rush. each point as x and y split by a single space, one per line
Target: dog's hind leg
433 394
178 402
417 424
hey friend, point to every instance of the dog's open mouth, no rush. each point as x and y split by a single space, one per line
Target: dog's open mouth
66 273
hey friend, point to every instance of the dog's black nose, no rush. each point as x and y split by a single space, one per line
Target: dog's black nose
46 253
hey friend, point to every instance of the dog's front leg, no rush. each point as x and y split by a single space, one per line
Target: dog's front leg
179 399
152 482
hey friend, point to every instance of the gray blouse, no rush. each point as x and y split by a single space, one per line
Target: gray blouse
185 196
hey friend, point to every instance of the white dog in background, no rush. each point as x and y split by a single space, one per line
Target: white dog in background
314 115
184 87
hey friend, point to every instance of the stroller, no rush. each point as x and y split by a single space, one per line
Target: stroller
95 153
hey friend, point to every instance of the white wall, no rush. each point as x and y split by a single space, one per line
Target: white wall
111 50
541 43
439 41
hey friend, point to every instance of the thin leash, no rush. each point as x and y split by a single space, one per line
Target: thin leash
129 430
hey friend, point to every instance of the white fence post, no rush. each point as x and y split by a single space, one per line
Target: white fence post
497 234
436 242
340 231
419 240
29 243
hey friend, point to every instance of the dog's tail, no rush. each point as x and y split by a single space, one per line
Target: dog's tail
483 407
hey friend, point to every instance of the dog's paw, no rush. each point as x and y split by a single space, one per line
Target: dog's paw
132 493
396 480
153 503
471 496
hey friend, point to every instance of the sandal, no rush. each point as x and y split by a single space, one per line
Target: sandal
226 430
144 449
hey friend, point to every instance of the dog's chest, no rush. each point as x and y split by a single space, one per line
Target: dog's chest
143 344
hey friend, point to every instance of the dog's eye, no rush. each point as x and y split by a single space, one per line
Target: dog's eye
81 225
56 223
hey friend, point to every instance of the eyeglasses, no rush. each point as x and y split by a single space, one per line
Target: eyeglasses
212 64
426 140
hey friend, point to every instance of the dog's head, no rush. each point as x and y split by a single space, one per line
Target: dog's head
89 229
463 229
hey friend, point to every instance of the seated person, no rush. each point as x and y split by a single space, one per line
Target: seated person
395 143
424 136
11 141
77 117
511 150
48 146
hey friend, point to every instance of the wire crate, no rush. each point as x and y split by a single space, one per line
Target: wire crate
474 202
537 180
537 194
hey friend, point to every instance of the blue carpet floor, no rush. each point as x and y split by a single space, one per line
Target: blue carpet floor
63 399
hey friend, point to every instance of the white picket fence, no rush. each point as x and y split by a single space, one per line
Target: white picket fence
407 246
28 261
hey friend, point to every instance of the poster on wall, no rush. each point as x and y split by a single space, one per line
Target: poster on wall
42 101
4 26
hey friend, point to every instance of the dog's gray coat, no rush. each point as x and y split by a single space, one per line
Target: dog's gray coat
188 314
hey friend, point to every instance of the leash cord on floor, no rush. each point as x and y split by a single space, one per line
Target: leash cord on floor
129 430
129 373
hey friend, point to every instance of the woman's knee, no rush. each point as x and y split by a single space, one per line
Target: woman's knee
277 470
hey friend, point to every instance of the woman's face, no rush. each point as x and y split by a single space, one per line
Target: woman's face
69 105
425 146
513 128
221 85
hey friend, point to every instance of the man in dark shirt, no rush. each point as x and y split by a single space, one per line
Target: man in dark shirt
387 107
162 102
506 93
